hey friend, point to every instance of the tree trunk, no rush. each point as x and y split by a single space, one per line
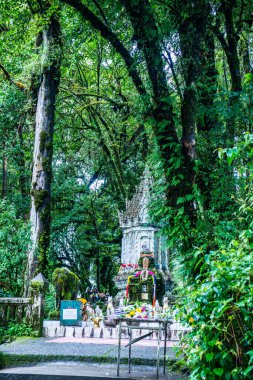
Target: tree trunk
97 253
207 122
192 30
43 150
232 42
21 163
147 36
247 69
230 46
4 176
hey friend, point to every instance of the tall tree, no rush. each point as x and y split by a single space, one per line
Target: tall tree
229 39
40 215
174 154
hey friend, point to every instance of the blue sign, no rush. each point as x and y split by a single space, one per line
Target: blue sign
71 313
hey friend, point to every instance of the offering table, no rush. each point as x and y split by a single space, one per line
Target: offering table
152 325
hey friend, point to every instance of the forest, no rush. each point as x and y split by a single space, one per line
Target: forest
92 92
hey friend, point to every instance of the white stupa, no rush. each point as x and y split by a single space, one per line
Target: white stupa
140 234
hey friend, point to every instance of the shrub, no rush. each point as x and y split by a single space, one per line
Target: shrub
218 303
50 300
219 308
54 315
19 329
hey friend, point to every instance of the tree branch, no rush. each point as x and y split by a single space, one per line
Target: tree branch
100 11
7 76
110 36
221 38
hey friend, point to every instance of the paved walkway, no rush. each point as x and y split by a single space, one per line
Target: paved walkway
78 371
83 347
57 358
111 341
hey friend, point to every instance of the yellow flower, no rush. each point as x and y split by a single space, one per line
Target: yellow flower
191 320
219 344
132 313
138 310
128 316
83 300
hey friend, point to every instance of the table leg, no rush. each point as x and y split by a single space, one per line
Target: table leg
119 347
129 348
165 346
158 351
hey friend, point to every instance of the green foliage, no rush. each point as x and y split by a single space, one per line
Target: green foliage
218 304
21 329
14 242
17 330
50 300
218 307
103 133
54 315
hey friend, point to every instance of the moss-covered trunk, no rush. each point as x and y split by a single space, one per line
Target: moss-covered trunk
4 176
192 29
43 149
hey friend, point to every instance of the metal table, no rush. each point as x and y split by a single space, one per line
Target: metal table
130 324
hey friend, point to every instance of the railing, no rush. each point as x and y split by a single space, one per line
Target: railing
177 331
13 309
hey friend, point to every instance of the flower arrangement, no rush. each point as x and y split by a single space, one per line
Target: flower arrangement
139 311
146 311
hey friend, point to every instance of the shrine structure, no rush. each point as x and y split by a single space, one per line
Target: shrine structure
140 235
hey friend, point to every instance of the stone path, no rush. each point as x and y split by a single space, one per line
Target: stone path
114 342
77 371
74 359
83 347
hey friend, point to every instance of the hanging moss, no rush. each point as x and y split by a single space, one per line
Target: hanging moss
46 164
44 239
39 197
45 141
38 286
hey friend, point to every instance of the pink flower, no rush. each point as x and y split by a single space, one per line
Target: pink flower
143 309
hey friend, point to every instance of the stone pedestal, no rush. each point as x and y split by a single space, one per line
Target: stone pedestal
38 286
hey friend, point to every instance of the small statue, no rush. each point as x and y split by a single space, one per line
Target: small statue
121 302
96 322
98 312
110 308
87 312
94 295
150 311
157 309
165 304
157 306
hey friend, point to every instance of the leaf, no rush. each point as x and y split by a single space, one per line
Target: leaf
248 370
218 371
180 200
189 197
209 356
